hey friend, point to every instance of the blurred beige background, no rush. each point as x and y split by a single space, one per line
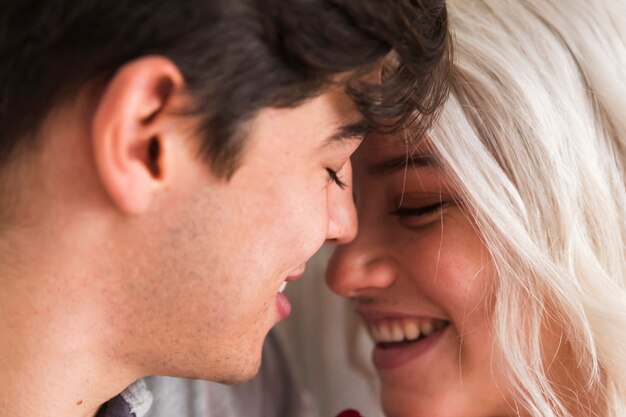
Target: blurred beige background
330 349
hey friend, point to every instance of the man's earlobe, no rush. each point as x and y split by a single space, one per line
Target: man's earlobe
129 129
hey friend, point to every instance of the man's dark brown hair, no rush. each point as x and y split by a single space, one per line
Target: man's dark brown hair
237 57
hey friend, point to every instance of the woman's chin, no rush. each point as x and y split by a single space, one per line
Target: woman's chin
451 401
417 407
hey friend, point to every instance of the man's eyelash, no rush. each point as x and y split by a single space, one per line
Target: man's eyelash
417 211
335 178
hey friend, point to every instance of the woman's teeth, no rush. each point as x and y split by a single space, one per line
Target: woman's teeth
390 331
282 287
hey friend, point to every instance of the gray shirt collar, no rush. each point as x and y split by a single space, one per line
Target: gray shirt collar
134 401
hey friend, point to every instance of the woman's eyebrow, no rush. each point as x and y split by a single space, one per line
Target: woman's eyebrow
401 162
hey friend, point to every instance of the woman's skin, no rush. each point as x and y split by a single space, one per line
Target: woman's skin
418 261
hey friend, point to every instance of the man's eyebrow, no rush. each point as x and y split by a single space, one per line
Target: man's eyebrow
352 131
402 162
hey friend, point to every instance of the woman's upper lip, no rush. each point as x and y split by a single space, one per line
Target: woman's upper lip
380 314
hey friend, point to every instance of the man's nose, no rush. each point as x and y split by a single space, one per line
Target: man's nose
360 268
342 220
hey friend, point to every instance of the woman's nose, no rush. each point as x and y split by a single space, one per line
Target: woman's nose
356 269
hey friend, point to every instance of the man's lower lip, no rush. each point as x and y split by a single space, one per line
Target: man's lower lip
282 305
394 357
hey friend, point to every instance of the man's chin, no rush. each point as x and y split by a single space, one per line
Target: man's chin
243 371
240 377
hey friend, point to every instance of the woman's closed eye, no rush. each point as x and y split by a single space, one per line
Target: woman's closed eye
418 211
420 215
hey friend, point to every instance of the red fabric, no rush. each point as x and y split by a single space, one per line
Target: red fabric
349 413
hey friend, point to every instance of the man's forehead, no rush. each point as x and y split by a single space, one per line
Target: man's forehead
327 121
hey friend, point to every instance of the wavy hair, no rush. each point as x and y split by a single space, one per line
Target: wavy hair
237 57
534 136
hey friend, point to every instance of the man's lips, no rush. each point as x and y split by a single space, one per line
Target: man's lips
294 277
282 303
288 279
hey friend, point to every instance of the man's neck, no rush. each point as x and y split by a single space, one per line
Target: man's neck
40 387
53 361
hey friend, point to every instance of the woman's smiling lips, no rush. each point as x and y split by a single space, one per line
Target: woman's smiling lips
401 338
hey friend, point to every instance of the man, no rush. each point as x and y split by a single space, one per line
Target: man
167 166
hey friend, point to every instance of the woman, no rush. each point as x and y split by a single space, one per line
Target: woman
490 265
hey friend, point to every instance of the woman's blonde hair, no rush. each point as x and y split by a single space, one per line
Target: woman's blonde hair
534 135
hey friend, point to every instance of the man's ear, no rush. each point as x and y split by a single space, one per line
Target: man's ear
129 130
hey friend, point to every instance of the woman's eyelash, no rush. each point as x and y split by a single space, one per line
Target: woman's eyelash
335 178
418 211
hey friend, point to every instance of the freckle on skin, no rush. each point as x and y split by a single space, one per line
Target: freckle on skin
79 402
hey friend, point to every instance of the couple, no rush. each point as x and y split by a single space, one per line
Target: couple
167 166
